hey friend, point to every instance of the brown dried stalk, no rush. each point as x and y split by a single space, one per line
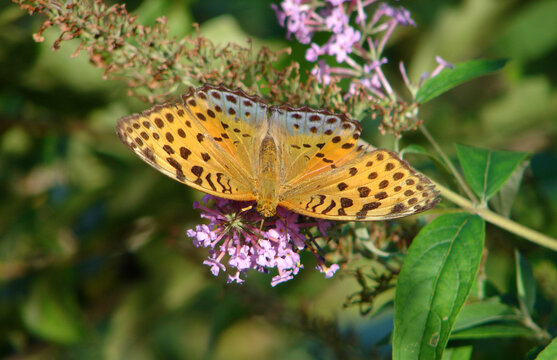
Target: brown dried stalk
154 66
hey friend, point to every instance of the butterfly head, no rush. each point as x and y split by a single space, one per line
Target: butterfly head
266 207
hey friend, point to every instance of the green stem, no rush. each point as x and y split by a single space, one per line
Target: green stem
500 221
542 334
397 144
449 164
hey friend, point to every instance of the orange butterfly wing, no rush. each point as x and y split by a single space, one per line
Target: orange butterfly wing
199 142
330 173
211 142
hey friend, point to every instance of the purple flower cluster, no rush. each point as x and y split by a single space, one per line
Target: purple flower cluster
295 16
235 240
304 18
346 43
359 31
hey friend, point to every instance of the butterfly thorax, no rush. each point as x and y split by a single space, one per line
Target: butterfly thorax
268 176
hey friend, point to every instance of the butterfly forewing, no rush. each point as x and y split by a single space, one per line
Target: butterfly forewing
238 122
374 186
174 140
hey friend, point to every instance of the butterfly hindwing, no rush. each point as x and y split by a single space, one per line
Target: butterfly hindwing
377 185
313 141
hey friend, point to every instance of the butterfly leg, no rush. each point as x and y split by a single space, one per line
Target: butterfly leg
247 208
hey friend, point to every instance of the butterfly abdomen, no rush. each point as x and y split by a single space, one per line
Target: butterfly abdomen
268 176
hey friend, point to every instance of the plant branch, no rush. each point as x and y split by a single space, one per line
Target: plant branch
498 220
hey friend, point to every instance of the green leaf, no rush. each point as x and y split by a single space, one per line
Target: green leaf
481 313
504 199
420 150
450 78
416 149
550 352
435 280
458 353
52 313
525 283
486 171
495 331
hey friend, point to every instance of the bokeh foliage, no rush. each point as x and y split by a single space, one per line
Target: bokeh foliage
94 262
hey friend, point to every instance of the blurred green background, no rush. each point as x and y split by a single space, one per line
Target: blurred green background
94 261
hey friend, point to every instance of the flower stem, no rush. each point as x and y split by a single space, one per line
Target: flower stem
449 164
498 220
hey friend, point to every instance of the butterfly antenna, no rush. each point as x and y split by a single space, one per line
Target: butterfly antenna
315 249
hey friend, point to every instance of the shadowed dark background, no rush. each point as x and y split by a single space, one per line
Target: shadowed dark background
94 261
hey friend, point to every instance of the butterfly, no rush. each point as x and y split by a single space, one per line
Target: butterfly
233 145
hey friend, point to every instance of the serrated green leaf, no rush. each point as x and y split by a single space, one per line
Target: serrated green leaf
484 312
525 283
495 331
550 352
458 353
435 280
450 78
486 171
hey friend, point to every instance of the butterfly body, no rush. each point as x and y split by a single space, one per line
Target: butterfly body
230 144
269 168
